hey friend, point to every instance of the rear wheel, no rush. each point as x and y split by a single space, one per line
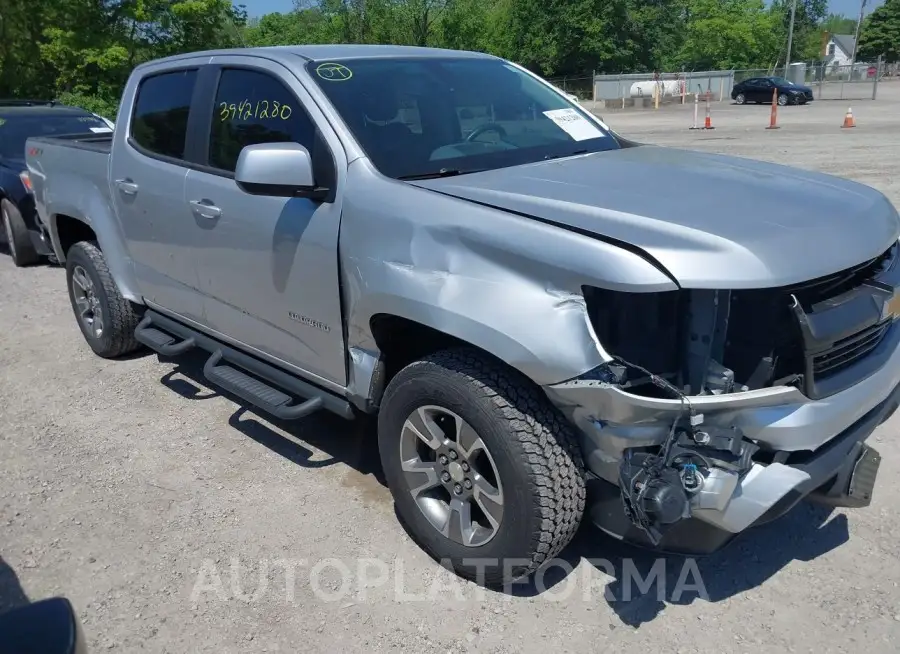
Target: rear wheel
17 239
740 98
106 319
485 473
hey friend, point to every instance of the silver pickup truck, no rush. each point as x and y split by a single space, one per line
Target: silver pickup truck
545 329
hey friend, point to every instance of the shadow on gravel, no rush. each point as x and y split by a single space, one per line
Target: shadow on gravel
5 252
344 442
644 583
12 596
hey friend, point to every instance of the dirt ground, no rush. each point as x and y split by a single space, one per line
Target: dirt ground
176 521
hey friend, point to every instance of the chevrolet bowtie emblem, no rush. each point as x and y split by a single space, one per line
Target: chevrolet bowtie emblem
891 307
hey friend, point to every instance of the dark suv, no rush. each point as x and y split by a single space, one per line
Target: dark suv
20 119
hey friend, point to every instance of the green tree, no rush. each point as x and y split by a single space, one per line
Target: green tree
83 50
90 58
293 28
806 43
735 34
880 34
839 24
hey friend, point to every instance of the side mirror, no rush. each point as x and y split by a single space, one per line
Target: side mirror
279 169
46 627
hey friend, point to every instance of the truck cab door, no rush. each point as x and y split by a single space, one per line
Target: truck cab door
148 168
268 265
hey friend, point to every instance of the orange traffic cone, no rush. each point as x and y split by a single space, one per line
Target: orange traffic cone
707 123
848 119
773 114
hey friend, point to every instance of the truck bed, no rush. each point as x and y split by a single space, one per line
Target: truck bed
70 175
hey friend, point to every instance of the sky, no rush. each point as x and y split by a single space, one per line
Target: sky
259 7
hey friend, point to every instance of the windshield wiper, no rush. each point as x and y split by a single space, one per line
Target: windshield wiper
567 154
443 172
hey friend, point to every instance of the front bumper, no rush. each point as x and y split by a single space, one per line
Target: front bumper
810 447
842 473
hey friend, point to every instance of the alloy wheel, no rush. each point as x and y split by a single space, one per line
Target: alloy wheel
451 475
90 313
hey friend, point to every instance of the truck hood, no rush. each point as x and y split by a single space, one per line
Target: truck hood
710 221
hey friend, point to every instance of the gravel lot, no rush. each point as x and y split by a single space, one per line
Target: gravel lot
132 488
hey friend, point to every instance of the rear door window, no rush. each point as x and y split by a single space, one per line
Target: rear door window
161 108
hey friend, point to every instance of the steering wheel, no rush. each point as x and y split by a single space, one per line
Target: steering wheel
487 127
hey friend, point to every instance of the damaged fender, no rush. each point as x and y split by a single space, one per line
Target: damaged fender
503 282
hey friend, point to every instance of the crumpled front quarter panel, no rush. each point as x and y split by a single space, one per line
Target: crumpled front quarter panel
505 283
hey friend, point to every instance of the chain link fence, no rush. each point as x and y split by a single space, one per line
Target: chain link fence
581 86
827 81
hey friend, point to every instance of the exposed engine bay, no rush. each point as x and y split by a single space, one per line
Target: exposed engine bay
690 343
719 341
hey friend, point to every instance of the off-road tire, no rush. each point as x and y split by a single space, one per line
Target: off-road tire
536 454
120 315
18 241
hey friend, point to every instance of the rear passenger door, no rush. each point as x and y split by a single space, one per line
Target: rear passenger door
148 169
269 265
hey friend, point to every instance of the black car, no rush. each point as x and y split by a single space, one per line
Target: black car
19 119
760 89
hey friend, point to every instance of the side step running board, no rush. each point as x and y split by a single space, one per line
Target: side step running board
261 395
160 341
267 387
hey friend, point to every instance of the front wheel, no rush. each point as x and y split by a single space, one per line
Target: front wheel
782 99
485 473
107 320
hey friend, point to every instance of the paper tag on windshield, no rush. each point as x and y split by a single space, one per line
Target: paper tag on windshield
574 124
100 130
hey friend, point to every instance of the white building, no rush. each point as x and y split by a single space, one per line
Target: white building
839 50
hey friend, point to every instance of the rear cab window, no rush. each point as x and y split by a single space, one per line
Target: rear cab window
160 117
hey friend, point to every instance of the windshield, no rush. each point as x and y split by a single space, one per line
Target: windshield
420 117
16 128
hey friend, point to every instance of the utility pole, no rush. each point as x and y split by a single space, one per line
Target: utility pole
787 61
862 9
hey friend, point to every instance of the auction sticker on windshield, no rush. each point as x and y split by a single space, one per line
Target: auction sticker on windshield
574 124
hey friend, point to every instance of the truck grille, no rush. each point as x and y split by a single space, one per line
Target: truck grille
824 288
848 350
837 322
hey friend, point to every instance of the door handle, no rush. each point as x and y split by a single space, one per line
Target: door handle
205 209
127 186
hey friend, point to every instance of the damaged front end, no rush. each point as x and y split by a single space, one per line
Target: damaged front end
721 409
